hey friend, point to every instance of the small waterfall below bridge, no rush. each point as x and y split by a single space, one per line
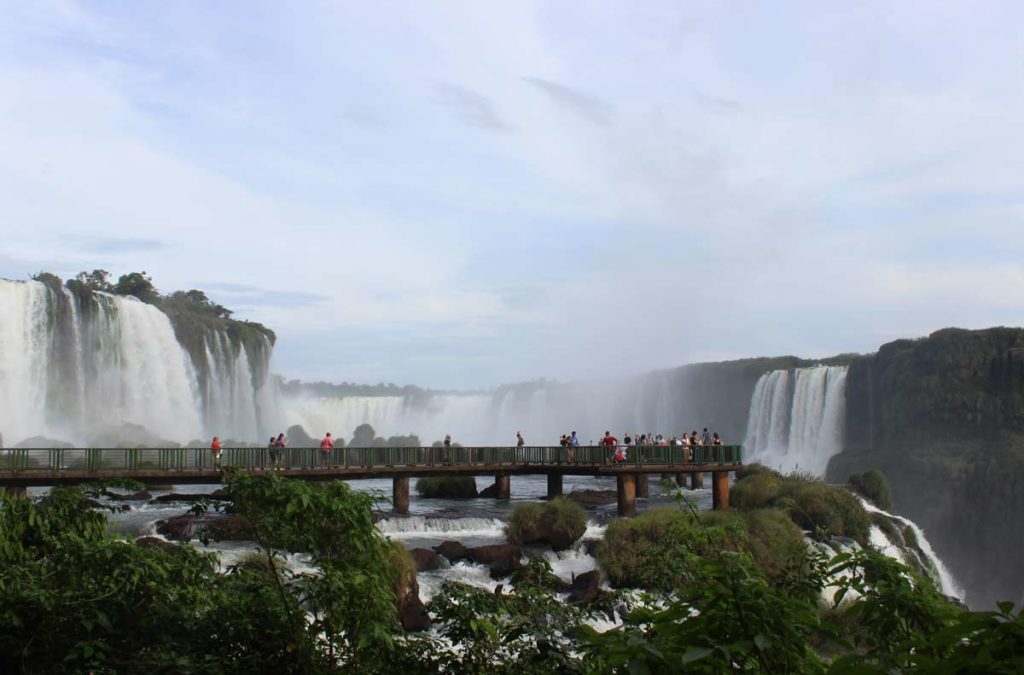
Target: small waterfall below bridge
797 418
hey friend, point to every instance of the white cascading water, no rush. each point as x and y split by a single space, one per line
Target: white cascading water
70 368
797 419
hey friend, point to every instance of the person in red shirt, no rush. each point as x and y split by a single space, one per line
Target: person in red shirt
326 446
215 448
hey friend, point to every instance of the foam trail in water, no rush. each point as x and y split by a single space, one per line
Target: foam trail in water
418 526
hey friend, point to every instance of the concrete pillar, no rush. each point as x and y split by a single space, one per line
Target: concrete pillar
14 491
720 490
554 485
681 479
400 486
627 495
642 486
503 482
696 480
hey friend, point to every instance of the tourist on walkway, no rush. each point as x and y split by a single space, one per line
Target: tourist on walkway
281 443
705 438
326 445
447 446
215 448
520 443
272 448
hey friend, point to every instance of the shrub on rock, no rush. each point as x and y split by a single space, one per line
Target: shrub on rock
559 523
446 487
873 486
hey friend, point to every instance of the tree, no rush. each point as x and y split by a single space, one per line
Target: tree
97 280
198 300
138 284
363 437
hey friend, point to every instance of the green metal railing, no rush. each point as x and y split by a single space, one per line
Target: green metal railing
136 460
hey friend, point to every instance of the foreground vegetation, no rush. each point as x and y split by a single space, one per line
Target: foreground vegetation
77 598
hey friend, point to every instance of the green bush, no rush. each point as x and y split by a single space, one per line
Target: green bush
446 487
825 510
755 469
559 523
757 491
873 486
652 551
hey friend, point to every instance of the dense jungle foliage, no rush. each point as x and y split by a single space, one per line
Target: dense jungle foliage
942 418
75 597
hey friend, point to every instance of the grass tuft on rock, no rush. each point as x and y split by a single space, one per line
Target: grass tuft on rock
446 487
823 510
873 486
559 523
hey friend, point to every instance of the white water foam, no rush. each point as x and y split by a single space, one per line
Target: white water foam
419 526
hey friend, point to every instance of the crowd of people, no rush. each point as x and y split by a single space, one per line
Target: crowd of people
619 449
275 447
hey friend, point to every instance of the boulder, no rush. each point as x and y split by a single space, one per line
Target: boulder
425 559
489 492
505 567
232 527
594 497
452 550
156 542
585 587
492 553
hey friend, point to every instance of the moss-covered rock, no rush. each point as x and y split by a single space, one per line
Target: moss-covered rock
446 487
871 485
558 523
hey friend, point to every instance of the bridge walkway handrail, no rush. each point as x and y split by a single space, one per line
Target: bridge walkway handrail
133 460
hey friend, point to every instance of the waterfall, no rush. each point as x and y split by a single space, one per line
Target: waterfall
76 366
796 418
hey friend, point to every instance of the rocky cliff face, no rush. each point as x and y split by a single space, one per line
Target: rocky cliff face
943 418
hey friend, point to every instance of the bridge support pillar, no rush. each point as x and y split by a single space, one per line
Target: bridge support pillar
681 479
400 484
643 486
627 494
14 491
720 490
697 481
554 485
503 483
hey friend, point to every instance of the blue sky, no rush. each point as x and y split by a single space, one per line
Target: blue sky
460 194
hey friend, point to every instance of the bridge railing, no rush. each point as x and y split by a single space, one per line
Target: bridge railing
134 460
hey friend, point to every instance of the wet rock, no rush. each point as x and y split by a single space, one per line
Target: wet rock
452 550
156 542
494 553
489 492
232 527
412 613
594 497
592 546
425 559
585 588
504 568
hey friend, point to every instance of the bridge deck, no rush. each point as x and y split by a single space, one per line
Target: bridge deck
27 467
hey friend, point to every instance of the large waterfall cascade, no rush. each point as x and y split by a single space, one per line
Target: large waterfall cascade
797 418
72 367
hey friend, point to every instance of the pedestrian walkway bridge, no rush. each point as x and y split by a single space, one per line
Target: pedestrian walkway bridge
21 468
